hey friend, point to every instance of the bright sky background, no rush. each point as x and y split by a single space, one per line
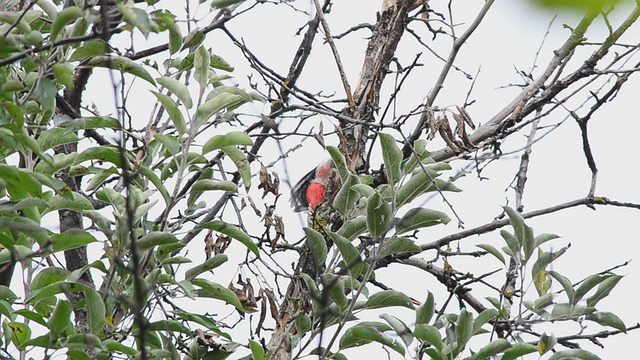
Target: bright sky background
507 39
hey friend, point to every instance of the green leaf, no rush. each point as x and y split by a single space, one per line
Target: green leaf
114 346
303 324
543 238
25 140
335 285
20 182
519 227
178 89
51 138
257 352
392 157
60 320
543 301
95 122
387 298
217 291
19 333
237 138
319 350
399 327
63 18
26 226
362 334
566 284
89 49
48 276
484 317
512 244
112 197
193 39
419 153
339 163
203 320
216 104
207 184
79 342
546 343
71 239
170 326
109 154
221 4
418 218
7 295
121 63
586 285
379 215
317 244
364 190
70 201
518 350
155 180
354 227
17 251
561 311
416 186
242 164
604 289
350 255
545 259
493 348
430 334
464 328
346 198
170 143
425 312
12 86
136 17
529 244
493 251
53 289
64 74
605 318
96 310
201 63
396 245
155 238
314 292
542 282
574 354
175 37
232 231
31 315
60 161
26 203
209 264
172 109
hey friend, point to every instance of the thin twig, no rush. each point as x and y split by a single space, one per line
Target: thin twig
336 55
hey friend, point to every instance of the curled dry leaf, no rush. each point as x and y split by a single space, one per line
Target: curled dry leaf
221 244
269 183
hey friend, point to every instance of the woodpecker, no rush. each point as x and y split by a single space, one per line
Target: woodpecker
310 191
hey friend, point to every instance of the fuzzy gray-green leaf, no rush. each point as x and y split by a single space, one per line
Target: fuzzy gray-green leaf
378 215
392 157
420 218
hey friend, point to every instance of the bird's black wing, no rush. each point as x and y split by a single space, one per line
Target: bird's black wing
299 192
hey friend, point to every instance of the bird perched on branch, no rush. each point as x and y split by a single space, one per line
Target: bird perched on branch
310 191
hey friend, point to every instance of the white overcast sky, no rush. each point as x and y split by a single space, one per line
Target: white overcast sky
506 40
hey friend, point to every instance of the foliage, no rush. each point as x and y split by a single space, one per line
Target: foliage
129 286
